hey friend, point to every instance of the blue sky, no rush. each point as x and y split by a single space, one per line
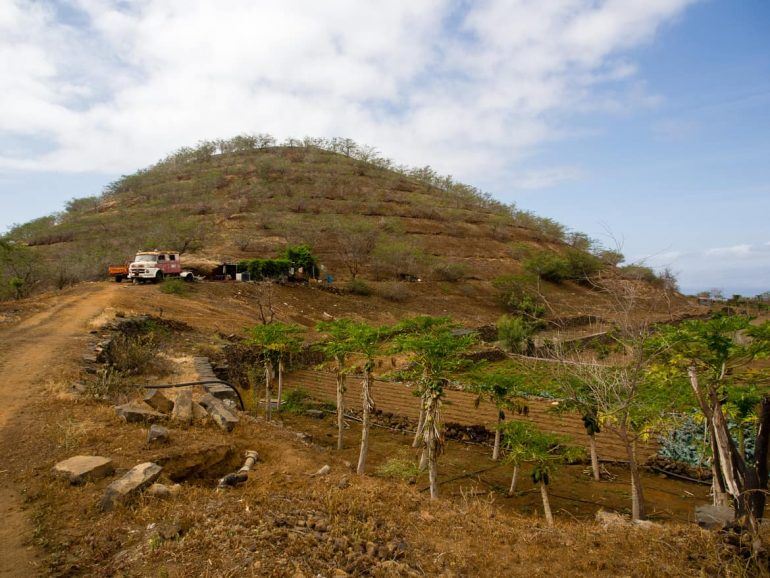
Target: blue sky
643 122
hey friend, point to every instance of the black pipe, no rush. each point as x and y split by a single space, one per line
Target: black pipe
204 382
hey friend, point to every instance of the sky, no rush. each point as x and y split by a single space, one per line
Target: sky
643 123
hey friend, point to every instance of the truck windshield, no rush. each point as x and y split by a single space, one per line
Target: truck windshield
145 258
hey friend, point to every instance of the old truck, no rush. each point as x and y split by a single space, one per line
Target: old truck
154 266
118 272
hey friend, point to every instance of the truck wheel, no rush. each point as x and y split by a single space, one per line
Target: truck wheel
158 277
118 278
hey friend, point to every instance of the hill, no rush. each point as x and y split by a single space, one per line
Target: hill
362 216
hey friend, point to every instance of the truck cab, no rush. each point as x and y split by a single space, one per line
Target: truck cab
155 266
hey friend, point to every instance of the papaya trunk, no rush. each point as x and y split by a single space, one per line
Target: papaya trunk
340 407
268 404
420 426
594 457
546 503
514 478
367 407
498 435
280 384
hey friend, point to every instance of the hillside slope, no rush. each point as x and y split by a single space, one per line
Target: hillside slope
230 201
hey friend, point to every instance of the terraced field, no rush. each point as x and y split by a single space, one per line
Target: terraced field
460 408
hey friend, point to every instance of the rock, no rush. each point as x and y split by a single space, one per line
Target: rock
371 549
183 407
344 483
157 435
645 524
160 491
316 413
609 519
222 392
159 402
135 480
79 469
198 412
219 413
714 517
138 412
323 471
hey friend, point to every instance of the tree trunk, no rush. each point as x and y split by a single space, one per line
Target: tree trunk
594 457
514 477
268 377
637 493
368 404
498 435
546 503
433 473
280 383
420 425
423 460
432 439
340 406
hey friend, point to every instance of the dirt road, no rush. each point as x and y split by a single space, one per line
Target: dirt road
33 352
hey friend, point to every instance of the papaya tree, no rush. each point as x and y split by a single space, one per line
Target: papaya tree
718 358
505 391
276 341
365 341
337 346
544 451
435 350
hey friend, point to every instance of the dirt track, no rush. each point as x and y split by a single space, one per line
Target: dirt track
32 352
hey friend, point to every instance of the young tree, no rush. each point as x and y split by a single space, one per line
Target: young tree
545 451
365 340
717 357
277 341
506 391
436 353
356 241
338 346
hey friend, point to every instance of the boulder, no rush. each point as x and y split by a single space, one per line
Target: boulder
159 402
183 406
157 435
132 482
160 491
138 412
79 469
714 517
218 412
222 392
198 412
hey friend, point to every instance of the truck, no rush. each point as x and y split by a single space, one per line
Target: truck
154 266
118 272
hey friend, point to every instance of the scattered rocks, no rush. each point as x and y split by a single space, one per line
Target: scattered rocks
137 412
160 491
611 519
219 413
714 517
322 472
134 481
157 435
79 469
222 392
183 406
316 413
159 402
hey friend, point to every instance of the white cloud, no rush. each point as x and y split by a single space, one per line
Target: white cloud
471 88
744 250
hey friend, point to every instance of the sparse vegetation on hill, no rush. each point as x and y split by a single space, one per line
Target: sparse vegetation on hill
249 198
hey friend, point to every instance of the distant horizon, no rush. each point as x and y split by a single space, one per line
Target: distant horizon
645 124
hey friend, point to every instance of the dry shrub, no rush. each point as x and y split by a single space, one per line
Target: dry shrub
394 291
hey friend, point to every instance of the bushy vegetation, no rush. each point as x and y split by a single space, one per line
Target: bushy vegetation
515 333
395 291
573 265
359 287
175 287
295 257
519 296
450 272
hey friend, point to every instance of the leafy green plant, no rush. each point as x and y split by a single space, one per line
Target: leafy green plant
401 466
295 400
175 287
514 333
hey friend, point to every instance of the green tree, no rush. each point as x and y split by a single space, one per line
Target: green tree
514 333
545 451
276 341
717 357
365 340
436 353
338 345
20 269
505 390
